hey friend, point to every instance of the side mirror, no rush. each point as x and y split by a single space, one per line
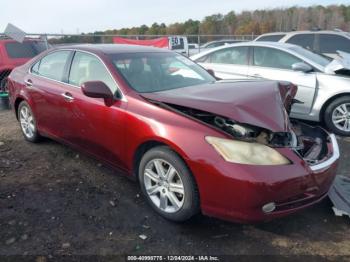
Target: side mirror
302 67
98 89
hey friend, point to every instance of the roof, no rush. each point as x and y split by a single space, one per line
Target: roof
114 48
336 32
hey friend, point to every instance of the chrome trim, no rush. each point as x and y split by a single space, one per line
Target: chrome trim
67 97
123 98
332 159
28 83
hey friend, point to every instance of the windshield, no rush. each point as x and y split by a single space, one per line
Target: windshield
159 71
26 49
316 58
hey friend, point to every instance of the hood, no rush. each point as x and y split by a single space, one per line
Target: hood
339 65
258 103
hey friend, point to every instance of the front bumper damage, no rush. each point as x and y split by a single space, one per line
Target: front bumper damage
262 193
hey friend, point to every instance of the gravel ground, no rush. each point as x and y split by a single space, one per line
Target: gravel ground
55 201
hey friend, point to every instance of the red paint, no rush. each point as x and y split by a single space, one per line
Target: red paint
6 62
114 132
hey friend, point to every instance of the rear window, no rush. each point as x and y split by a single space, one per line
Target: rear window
24 50
270 38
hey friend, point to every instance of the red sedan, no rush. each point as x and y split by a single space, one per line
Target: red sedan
195 144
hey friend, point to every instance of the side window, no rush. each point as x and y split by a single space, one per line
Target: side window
86 67
235 55
270 38
35 67
52 66
332 43
269 57
304 40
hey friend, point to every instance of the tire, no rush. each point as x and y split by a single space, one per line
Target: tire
28 123
338 110
179 184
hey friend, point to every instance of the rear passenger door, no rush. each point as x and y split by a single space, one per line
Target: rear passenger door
46 86
275 64
228 63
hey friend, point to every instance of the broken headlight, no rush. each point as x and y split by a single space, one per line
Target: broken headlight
246 153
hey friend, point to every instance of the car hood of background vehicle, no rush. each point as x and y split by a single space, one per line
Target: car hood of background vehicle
258 103
339 65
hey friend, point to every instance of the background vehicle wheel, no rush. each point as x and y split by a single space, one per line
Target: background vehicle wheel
337 116
168 184
27 122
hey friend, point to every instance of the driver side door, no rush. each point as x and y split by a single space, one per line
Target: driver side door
97 128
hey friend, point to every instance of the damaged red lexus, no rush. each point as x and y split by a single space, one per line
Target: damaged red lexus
194 143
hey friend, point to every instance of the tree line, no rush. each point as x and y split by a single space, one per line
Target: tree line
244 23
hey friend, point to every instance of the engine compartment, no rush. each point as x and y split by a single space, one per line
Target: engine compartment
308 142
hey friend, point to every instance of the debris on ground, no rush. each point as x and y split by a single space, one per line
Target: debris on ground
10 241
66 245
143 237
340 196
112 203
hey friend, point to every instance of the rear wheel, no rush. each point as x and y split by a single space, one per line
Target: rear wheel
168 184
27 122
337 116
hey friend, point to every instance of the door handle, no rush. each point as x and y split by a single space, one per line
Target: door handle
67 96
257 75
29 83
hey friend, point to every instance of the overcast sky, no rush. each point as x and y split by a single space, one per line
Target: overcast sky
72 16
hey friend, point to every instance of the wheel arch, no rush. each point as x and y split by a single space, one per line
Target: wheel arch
16 104
148 145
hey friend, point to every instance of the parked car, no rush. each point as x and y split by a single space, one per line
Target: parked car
323 85
218 43
14 54
324 42
192 143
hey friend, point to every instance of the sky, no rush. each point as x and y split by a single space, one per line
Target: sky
78 16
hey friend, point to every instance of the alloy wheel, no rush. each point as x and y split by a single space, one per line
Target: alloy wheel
341 117
27 122
164 185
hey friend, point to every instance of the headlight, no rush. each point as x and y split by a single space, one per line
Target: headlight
246 153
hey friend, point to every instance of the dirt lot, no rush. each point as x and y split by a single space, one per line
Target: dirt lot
55 201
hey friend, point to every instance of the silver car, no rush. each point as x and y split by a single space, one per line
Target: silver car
323 84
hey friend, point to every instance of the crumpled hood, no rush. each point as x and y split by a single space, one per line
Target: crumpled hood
341 63
258 103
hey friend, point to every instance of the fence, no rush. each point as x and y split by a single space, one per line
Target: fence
107 38
199 40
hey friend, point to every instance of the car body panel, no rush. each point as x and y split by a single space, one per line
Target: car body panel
114 132
314 88
222 99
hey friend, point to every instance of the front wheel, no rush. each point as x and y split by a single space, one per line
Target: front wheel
28 123
168 184
337 116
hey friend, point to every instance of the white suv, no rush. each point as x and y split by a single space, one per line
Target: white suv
322 42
